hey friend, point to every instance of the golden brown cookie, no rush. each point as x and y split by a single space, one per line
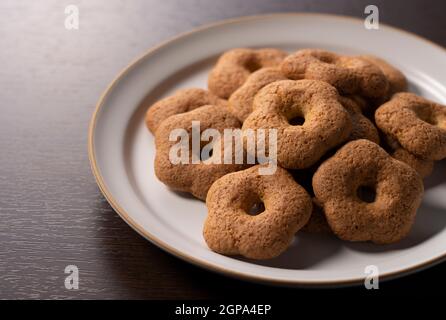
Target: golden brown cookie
190 177
362 128
349 74
317 222
240 102
397 80
307 116
230 228
419 125
366 194
360 101
422 166
181 101
234 67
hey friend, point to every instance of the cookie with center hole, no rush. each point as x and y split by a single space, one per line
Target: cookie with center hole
306 115
416 123
193 173
231 228
367 195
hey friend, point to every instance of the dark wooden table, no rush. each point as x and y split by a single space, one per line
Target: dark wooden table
51 211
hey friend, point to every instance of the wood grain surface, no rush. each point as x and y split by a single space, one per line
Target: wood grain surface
51 211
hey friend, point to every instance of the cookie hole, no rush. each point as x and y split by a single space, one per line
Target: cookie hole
326 59
252 66
297 121
256 208
430 120
425 115
366 194
253 206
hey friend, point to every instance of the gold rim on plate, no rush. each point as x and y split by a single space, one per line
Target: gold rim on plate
126 217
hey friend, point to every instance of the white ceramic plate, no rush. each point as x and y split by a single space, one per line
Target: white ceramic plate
122 151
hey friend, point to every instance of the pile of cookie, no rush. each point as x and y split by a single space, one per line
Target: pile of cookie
352 149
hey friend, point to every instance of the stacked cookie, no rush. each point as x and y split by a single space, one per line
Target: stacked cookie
352 149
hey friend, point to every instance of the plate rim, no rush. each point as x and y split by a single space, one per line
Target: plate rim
190 258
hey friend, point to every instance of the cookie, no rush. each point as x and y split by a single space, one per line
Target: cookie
366 194
348 74
317 222
307 116
195 178
231 229
240 102
362 127
417 124
397 80
422 166
181 101
234 67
